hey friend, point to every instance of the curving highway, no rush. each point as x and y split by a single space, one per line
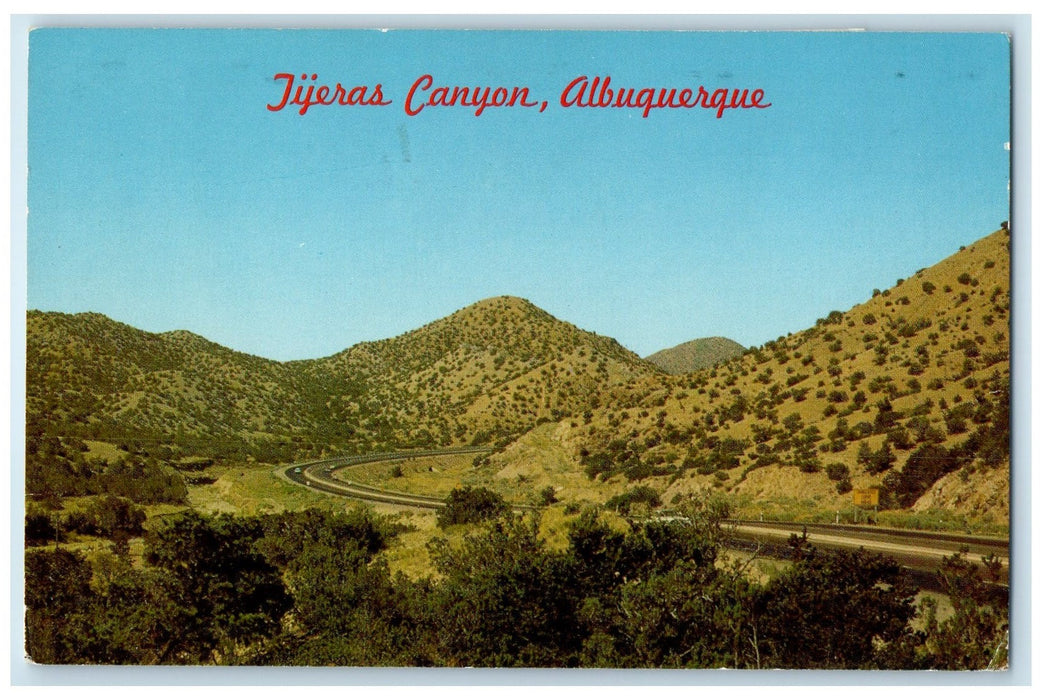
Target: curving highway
917 550
321 475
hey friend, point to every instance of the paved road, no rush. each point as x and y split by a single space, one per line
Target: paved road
321 475
917 550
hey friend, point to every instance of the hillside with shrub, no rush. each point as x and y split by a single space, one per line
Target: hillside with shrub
907 392
88 376
484 374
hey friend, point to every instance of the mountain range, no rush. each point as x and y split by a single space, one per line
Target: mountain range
924 363
485 373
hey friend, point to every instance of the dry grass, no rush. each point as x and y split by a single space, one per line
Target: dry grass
427 476
255 489
103 450
961 299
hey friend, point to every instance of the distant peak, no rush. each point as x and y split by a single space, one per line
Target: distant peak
695 354
503 305
501 301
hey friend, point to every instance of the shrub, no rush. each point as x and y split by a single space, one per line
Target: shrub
837 471
899 438
470 505
39 529
808 465
108 516
548 496
793 422
805 612
640 494
924 466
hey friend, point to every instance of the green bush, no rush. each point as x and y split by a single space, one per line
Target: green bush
641 494
837 471
470 505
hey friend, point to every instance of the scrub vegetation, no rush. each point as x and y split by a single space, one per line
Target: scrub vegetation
314 588
158 532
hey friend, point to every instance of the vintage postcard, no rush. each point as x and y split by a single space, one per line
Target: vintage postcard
518 349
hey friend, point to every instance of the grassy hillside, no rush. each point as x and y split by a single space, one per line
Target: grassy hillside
90 376
907 392
488 372
695 355
485 373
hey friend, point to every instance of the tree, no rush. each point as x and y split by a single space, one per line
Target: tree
886 417
116 517
924 466
837 471
624 502
139 618
846 610
238 597
686 615
348 610
976 635
505 599
39 526
58 602
470 505
656 597
882 459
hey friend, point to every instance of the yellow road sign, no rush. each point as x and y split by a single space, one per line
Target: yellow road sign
866 497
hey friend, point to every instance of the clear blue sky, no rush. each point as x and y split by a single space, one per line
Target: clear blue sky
164 194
